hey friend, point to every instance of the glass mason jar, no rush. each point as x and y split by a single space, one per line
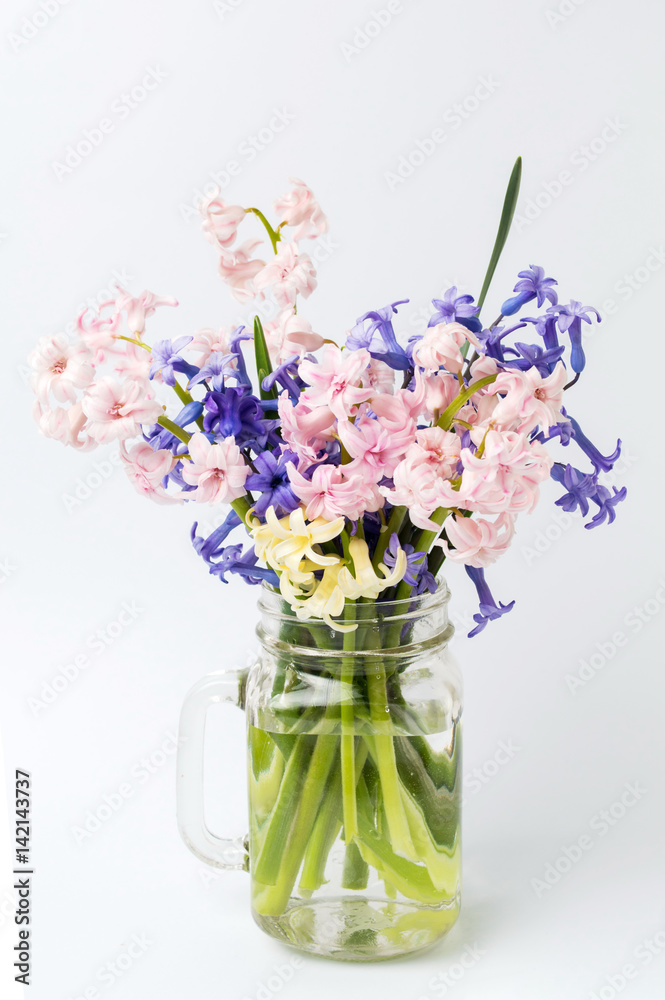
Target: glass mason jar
354 771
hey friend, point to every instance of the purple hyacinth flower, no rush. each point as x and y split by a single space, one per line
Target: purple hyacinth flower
217 368
534 285
234 413
240 373
491 341
166 360
533 356
285 375
570 319
374 331
580 488
454 308
546 328
601 463
489 610
232 559
413 559
606 502
159 437
271 480
211 546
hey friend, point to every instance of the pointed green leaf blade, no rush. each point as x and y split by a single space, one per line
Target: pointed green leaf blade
263 365
507 214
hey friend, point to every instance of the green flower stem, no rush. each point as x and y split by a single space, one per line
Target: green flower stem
384 757
397 518
275 236
278 869
423 543
131 340
177 431
242 507
348 732
355 874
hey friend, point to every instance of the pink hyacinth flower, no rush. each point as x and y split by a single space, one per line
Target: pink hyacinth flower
505 478
99 329
217 470
332 493
288 274
117 409
139 307
220 221
374 449
300 208
207 342
65 425
59 368
529 400
478 542
238 269
289 335
146 469
335 380
440 390
438 448
416 486
306 430
441 346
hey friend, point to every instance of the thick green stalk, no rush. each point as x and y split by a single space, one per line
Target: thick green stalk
348 731
397 518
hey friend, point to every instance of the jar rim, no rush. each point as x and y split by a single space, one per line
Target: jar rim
274 604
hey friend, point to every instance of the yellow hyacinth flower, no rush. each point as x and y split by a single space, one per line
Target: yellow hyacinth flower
284 542
365 582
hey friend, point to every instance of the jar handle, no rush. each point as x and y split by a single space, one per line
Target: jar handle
220 852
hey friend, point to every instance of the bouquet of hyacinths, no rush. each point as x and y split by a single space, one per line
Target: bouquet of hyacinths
353 467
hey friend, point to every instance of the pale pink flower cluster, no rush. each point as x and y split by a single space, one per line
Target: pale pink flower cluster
291 335
300 208
81 406
217 470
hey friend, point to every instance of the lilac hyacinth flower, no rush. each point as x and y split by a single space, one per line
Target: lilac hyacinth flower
232 559
570 319
159 437
271 480
534 285
601 463
533 356
546 328
234 413
489 610
413 559
166 360
285 375
606 502
492 341
238 336
580 488
374 331
454 308
211 546
217 368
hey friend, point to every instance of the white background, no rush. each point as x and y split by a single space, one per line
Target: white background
556 82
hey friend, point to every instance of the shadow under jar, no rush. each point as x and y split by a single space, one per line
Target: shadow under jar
354 769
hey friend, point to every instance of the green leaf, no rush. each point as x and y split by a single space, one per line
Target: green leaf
507 214
263 365
448 415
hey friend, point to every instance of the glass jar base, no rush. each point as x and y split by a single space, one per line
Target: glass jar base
352 929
